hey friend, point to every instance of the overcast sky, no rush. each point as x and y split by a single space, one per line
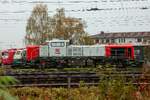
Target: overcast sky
100 15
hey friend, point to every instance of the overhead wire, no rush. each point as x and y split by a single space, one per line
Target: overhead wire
59 3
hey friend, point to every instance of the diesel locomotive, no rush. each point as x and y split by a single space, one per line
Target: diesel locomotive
61 53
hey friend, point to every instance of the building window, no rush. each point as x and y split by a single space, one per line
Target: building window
130 41
107 40
102 41
112 40
145 41
139 40
97 41
124 40
121 40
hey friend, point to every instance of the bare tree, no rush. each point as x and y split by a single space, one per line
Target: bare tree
37 29
40 27
69 28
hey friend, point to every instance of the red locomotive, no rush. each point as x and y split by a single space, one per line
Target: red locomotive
7 56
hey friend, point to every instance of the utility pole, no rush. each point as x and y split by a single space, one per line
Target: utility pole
59 19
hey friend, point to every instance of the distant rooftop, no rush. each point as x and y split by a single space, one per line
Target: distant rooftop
122 34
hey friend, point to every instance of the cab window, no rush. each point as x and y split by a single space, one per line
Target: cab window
4 54
18 52
24 53
117 51
57 44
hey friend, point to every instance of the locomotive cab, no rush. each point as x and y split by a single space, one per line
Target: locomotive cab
123 54
54 48
120 51
26 56
58 47
7 56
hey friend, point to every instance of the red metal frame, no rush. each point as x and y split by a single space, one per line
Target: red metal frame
32 52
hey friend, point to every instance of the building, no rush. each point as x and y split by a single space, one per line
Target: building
130 37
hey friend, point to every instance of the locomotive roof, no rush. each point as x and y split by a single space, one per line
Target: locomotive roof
32 46
57 40
119 45
99 45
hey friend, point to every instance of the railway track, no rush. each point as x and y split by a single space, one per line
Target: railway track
72 78
66 85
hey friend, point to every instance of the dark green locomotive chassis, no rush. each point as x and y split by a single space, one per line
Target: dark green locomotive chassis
67 62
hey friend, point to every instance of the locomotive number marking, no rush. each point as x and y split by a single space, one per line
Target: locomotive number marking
57 51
